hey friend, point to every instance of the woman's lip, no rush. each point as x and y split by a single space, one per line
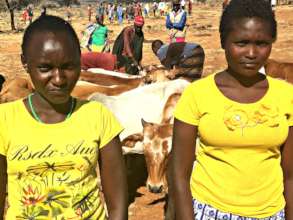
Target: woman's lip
59 91
250 65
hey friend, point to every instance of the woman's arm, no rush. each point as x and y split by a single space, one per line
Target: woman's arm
113 178
287 165
169 24
180 167
3 183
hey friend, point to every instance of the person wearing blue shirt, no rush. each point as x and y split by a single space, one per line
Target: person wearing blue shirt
176 23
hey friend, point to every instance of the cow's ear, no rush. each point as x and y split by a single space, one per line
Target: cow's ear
24 62
144 123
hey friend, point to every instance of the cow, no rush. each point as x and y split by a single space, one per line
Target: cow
145 102
21 87
16 88
107 82
155 143
280 70
153 139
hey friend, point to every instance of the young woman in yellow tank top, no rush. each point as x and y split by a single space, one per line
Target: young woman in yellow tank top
242 165
51 142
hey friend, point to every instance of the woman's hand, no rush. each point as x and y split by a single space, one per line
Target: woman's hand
3 183
287 165
113 178
180 166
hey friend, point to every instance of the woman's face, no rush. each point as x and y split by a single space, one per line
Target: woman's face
53 63
248 46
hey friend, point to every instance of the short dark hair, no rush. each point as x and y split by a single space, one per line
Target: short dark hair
238 9
48 23
155 44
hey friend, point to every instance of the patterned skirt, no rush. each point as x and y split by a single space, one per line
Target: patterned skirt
206 212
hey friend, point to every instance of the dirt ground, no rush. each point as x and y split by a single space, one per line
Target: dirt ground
203 29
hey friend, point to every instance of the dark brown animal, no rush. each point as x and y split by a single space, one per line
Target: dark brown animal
281 70
2 80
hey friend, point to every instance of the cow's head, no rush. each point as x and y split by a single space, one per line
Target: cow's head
156 146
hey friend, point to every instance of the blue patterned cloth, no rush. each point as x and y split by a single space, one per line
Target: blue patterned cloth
206 212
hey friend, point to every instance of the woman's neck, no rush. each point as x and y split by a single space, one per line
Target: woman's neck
245 81
42 104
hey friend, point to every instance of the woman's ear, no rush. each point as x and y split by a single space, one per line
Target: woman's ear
24 62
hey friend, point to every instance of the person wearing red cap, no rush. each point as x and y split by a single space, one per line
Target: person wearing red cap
128 47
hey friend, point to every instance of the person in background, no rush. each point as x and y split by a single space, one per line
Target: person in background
52 143
161 8
128 47
155 8
120 14
24 16
182 4
176 22
182 59
68 14
273 4
98 41
190 7
137 9
232 153
30 13
224 4
89 12
43 10
100 11
146 9
111 12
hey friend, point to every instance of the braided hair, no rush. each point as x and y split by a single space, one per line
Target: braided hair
48 23
238 9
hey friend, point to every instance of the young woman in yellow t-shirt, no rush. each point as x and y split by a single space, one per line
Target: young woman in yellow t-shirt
242 165
51 142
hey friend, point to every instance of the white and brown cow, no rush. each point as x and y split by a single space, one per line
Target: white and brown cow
155 143
145 102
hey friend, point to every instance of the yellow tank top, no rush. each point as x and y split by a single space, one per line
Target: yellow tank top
238 155
52 167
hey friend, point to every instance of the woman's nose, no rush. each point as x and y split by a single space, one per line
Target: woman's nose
58 77
252 51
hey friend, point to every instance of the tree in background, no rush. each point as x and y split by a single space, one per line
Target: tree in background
11 5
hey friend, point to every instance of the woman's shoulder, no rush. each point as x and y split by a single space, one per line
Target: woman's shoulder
90 106
10 109
7 106
280 84
203 83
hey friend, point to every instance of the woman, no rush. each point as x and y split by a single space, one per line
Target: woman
243 121
176 23
50 142
99 36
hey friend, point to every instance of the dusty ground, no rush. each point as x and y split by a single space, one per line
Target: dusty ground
203 29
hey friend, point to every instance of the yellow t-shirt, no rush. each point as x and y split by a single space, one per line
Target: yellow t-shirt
52 167
238 156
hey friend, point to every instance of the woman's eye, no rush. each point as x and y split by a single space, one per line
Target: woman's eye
44 68
241 44
262 44
68 67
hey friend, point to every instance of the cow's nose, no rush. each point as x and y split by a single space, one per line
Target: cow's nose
155 189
